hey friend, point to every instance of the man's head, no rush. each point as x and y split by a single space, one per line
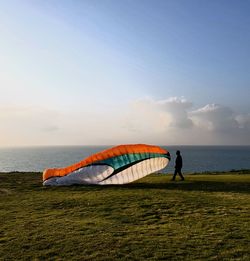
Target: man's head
178 152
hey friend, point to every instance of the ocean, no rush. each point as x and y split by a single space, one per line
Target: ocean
195 158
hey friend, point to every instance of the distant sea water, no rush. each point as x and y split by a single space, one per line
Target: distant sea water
195 158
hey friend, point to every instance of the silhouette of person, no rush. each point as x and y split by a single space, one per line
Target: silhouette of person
178 166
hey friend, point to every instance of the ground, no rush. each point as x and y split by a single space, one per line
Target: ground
206 217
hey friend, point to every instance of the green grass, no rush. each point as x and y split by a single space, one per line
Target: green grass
207 217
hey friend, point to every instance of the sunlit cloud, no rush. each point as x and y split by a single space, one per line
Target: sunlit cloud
243 121
215 117
178 110
176 121
150 115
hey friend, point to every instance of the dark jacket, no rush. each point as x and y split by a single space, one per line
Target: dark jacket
178 162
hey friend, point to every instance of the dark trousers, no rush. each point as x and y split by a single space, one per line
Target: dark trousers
179 172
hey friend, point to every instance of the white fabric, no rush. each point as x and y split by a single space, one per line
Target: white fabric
137 171
87 175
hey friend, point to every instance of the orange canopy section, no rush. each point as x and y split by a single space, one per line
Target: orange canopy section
108 153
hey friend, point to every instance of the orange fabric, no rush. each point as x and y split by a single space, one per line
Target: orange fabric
108 153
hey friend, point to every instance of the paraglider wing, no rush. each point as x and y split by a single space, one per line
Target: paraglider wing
118 165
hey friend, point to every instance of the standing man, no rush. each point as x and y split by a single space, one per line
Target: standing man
178 165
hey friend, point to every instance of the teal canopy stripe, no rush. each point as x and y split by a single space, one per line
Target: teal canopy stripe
128 159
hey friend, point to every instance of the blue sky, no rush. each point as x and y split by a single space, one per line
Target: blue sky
149 71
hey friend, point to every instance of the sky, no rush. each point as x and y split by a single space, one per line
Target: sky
101 72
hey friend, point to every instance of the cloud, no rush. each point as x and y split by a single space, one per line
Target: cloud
243 121
149 115
145 116
51 128
177 108
214 117
174 121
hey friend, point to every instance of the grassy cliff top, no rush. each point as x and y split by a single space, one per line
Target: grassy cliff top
204 217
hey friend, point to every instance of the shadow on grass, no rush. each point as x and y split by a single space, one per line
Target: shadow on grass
206 186
22 181
210 186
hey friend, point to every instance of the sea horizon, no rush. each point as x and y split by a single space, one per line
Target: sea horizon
196 158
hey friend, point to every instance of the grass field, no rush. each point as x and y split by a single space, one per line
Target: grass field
206 217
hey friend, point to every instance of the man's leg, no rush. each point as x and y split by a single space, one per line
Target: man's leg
175 173
180 174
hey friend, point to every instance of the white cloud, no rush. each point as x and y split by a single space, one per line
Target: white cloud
147 115
174 121
214 117
178 110
243 121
